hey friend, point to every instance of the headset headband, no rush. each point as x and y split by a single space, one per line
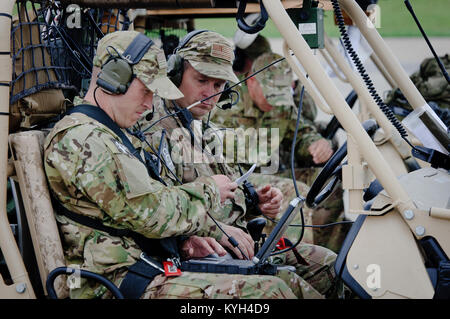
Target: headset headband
117 71
188 38
137 48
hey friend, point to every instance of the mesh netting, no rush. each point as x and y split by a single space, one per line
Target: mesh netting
53 46
168 32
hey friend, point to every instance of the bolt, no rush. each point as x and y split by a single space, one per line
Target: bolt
20 288
355 266
409 214
420 230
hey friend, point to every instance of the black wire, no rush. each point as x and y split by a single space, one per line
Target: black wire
297 124
222 108
230 239
161 141
314 226
436 57
232 103
95 98
140 135
326 225
160 119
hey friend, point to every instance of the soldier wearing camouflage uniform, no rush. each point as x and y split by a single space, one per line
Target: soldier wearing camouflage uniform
91 173
266 101
193 152
431 84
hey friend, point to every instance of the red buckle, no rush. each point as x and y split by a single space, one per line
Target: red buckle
282 244
170 269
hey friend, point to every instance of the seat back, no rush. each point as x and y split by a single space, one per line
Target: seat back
27 150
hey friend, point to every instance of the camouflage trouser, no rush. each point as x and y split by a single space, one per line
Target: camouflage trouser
317 262
286 285
329 211
192 285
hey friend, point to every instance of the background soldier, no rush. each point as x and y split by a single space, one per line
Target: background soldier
431 84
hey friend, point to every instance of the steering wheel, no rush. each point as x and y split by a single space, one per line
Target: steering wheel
334 124
332 171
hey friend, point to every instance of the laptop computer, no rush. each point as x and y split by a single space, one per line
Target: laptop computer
259 263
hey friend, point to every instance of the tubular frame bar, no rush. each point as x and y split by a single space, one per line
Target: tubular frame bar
340 108
8 243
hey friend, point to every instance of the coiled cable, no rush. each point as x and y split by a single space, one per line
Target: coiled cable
362 71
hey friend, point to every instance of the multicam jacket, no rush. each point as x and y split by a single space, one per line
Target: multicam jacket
91 173
166 136
191 161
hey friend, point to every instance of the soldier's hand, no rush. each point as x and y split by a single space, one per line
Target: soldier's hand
198 247
245 241
270 199
226 187
320 151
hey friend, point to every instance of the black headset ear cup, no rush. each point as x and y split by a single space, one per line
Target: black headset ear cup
175 69
175 63
115 76
239 60
226 99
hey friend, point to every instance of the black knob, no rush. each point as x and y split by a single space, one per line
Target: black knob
255 227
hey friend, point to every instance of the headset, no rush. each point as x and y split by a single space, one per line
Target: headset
175 68
116 73
175 63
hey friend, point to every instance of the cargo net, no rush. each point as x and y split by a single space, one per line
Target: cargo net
53 46
168 32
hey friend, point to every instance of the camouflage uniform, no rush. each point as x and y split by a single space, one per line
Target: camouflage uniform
276 85
173 142
431 84
93 174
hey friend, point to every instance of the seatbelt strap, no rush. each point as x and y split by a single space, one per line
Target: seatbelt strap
141 273
138 277
157 247
99 115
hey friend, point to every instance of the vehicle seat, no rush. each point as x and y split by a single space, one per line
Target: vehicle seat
27 150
